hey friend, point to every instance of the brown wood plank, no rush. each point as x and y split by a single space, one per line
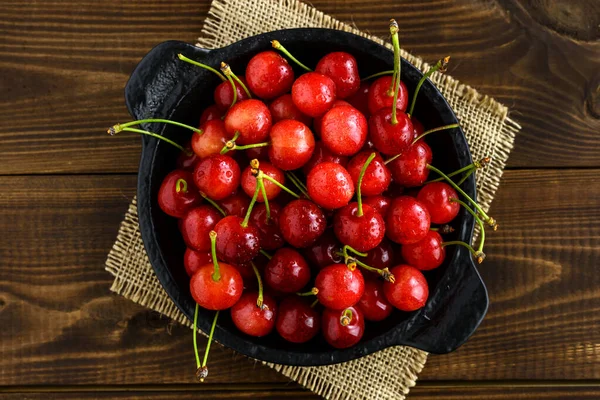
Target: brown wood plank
504 392
63 66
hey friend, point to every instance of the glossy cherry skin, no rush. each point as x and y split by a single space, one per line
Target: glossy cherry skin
391 139
380 203
236 204
216 295
339 286
344 130
410 169
283 107
174 203
269 75
187 161
210 113
212 140
272 190
196 225
362 233
236 244
380 257
342 68
338 335
373 303
301 223
247 273
360 99
377 176
268 230
251 319
330 185
379 95
297 321
407 220
292 144
252 119
320 155
409 291
324 251
319 120
436 198
313 93
223 94
287 271
217 176
193 260
417 125
427 253
260 153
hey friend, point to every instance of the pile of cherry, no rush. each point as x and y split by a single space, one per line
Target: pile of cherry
296 199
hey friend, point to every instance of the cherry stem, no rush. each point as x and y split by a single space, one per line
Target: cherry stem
273 180
264 253
178 185
346 317
203 368
397 67
298 183
468 170
198 64
249 146
278 46
441 65
259 300
251 206
156 135
225 67
378 74
229 73
360 179
314 303
479 221
478 255
312 292
230 144
195 326
385 272
214 204
466 176
261 184
439 128
216 276
113 130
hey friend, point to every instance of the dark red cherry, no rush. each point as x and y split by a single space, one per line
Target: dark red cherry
339 286
247 273
271 189
407 220
338 331
313 93
324 251
377 177
287 271
196 225
342 68
251 319
320 155
319 120
302 222
362 233
428 253
344 130
192 260
268 230
360 99
436 198
418 126
236 244
373 304
284 108
260 153
187 159
380 257
330 185
210 113
212 140
236 204
292 144
223 94
269 75
410 168
380 203
380 95
409 291
251 118
297 321
217 176
388 138
216 294
177 194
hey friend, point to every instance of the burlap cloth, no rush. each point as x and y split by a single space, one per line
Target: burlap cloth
389 373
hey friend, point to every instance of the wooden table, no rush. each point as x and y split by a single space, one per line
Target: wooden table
64 187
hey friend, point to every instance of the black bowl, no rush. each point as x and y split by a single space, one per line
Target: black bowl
162 86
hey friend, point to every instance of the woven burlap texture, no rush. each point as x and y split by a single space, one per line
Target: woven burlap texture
390 373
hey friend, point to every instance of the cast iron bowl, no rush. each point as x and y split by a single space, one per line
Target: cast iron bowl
162 86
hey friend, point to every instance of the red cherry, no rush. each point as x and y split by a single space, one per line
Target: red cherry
377 177
320 155
418 126
216 294
192 260
251 319
269 75
283 108
217 176
313 93
287 271
409 291
324 251
260 153
268 230
212 140
247 273
387 138
428 253
330 185
251 118
342 68
319 120
187 161
410 168
272 190
407 220
196 225
380 203
301 223
339 286
360 99
344 130
211 112
380 95
343 336
362 233
373 304
236 244
436 198
176 202
297 322
380 257
237 204
223 94
292 144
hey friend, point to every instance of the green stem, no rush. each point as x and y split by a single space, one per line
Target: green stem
203 370
264 253
251 206
360 179
259 300
216 276
278 46
156 135
478 255
469 168
382 73
479 221
273 180
346 317
198 64
195 333
230 145
466 176
214 204
439 128
178 185
298 183
440 65
261 184
230 79
239 81
314 303
397 68
118 127
385 273
250 146
314 291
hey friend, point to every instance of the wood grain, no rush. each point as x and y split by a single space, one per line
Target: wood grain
63 66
